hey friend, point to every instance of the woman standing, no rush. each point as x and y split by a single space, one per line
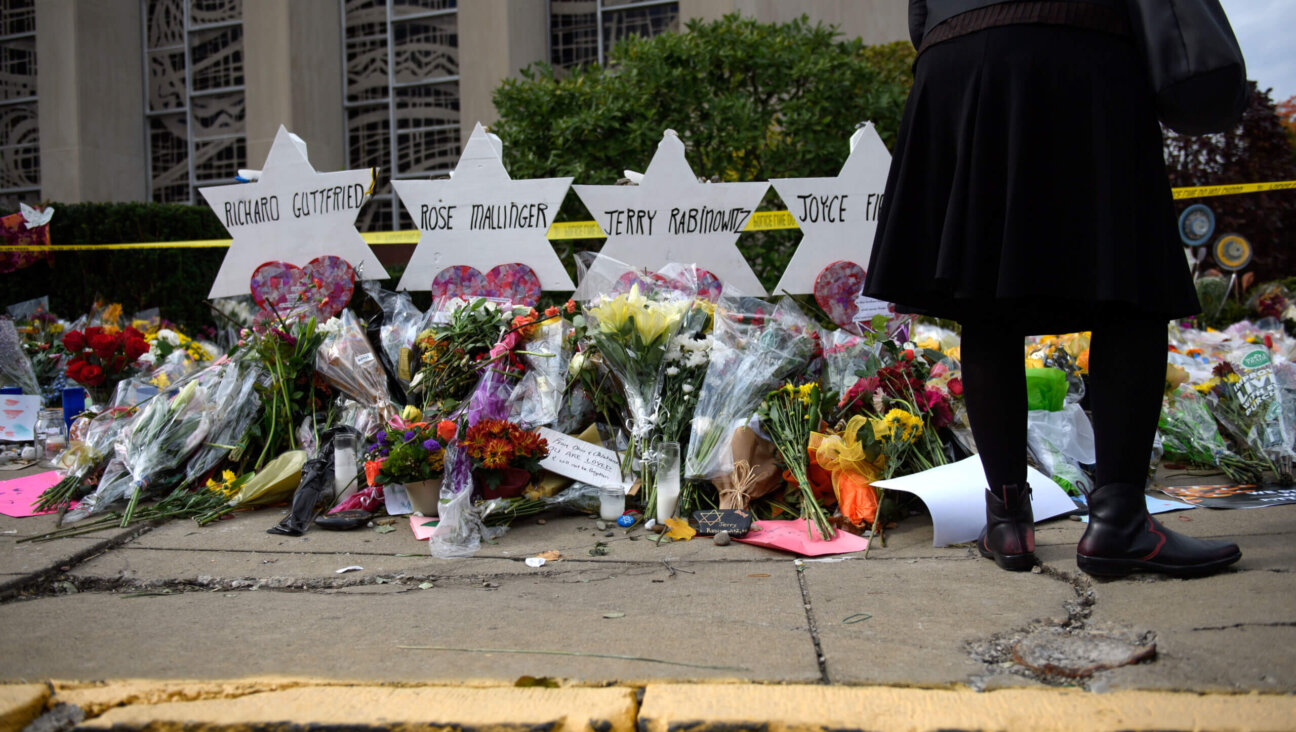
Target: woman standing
1028 195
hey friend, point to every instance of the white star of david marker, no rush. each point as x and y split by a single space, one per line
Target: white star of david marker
671 217
482 218
292 214
837 215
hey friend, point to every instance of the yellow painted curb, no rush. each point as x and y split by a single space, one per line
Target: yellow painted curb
20 704
483 710
686 707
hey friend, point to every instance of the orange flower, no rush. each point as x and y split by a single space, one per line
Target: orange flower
372 468
446 430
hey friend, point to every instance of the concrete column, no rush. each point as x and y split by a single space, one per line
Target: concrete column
90 82
292 52
497 39
873 21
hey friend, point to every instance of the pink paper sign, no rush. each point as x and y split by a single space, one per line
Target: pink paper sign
791 536
422 527
18 495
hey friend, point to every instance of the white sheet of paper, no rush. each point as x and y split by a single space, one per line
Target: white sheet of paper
397 500
18 413
577 459
955 495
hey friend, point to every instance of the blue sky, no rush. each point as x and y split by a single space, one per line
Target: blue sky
1266 30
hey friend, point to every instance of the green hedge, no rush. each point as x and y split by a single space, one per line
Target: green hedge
174 280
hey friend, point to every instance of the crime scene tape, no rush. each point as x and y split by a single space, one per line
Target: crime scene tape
563 230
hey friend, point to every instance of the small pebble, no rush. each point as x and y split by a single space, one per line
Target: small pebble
608 533
600 525
542 522
721 538
626 520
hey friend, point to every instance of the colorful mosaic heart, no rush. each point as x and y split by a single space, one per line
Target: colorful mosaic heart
514 282
839 291
324 286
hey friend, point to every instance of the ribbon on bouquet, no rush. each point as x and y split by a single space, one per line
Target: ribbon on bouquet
844 458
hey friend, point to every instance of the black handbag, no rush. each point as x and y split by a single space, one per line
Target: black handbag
1195 63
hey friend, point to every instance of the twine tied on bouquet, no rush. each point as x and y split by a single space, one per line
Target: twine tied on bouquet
734 494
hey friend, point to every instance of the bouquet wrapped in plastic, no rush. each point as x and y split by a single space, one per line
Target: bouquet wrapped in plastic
89 450
347 361
757 345
1189 434
236 406
537 398
15 366
400 327
1248 402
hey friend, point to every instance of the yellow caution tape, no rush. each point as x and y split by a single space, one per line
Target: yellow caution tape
759 221
1205 191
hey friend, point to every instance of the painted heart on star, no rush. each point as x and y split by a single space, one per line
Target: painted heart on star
514 282
324 286
839 291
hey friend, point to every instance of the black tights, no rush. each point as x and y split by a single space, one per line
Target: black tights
1127 364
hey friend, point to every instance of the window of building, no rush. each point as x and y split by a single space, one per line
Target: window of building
19 133
195 103
401 94
582 31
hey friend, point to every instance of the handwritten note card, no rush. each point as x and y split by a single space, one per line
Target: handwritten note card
18 417
574 458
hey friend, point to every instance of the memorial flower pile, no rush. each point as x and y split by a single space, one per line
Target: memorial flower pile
409 452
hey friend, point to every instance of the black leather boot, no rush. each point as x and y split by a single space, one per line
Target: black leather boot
1009 534
1122 538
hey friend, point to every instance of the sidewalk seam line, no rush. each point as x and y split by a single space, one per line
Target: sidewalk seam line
811 624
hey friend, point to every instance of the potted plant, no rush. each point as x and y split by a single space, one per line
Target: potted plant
505 457
412 456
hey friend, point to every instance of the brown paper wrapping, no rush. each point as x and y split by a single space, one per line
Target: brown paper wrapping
755 471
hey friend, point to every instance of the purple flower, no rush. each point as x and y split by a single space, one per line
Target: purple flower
409 435
381 436
431 445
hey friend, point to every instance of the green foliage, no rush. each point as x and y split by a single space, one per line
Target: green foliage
751 101
175 280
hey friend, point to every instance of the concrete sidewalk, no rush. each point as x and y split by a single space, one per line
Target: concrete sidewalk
231 602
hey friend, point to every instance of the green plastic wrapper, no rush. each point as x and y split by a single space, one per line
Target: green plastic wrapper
1046 389
276 482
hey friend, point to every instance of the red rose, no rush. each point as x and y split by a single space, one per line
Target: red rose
93 331
73 341
91 375
74 369
136 347
133 334
908 354
116 363
955 387
102 344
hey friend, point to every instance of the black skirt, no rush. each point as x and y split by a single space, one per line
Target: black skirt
1028 187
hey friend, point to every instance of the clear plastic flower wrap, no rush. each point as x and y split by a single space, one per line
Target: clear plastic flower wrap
1248 403
757 345
149 455
15 366
85 455
1190 434
347 361
236 407
537 398
844 354
460 531
631 322
402 322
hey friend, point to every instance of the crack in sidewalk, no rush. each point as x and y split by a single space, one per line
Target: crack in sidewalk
810 622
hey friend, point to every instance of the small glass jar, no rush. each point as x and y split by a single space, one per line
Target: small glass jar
612 502
51 434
